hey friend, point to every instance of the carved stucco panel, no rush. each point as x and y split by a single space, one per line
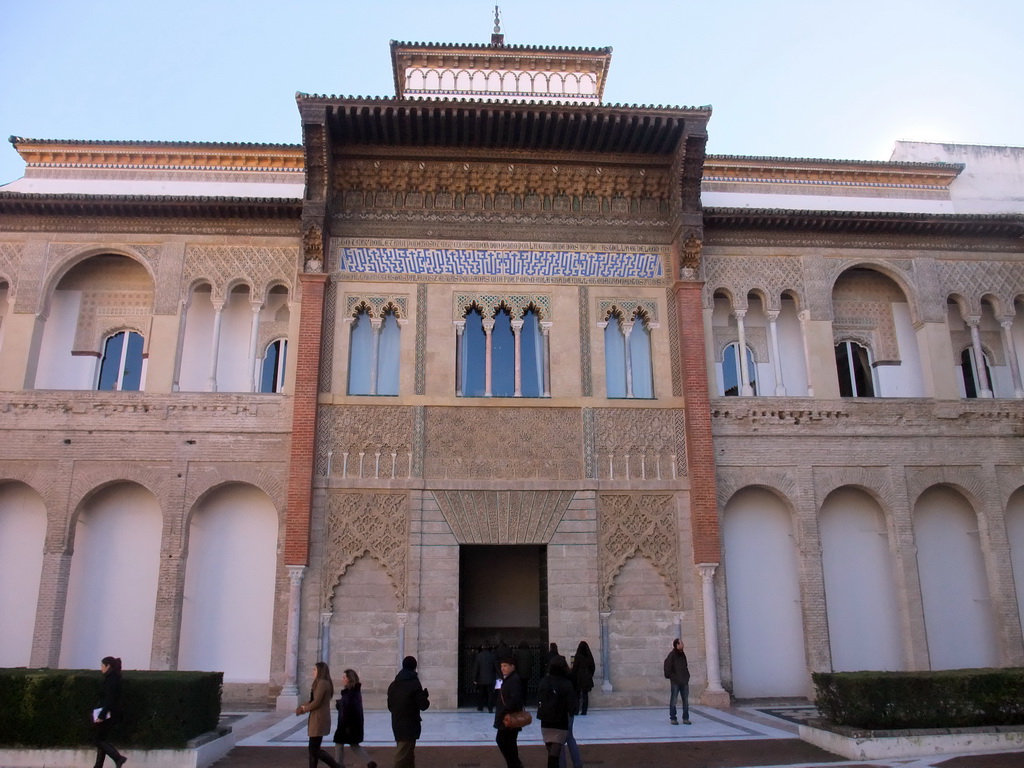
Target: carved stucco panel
503 517
374 524
224 265
974 280
640 443
756 337
641 524
376 431
10 266
769 276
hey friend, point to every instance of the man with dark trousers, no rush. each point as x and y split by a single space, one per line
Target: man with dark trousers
406 699
678 674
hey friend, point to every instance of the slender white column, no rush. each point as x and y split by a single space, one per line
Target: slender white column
289 697
1011 355
627 331
780 388
606 684
805 317
211 381
488 328
745 389
707 573
460 329
517 334
254 336
180 346
545 335
375 326
979 357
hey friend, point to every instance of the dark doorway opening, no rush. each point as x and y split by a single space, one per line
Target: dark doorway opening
503 601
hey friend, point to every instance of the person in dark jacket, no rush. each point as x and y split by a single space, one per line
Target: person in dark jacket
319 709
108 714
678 674
555 695
406 699
583 669
510 699
484 675
350 720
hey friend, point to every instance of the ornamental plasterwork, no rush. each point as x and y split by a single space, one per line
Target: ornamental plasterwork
365 441
639 443
756 337
10 262
768 276
638 524
327 336
991 344
673 345
862 311
421 339
224 265
504 443
491 303
102 313
503 517
377 304
629 310
586 380
372 524
502 186
973 280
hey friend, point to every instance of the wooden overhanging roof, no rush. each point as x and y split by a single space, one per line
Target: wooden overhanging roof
860 222
800 170
149 206
493 125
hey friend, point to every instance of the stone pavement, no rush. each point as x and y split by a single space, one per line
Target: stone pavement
741 737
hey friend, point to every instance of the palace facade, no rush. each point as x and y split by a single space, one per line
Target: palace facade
492 360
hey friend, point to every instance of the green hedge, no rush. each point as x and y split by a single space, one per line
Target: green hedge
53 707
956 698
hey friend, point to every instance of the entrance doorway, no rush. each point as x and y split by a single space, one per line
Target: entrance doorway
503 601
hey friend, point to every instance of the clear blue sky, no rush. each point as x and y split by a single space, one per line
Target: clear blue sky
796 78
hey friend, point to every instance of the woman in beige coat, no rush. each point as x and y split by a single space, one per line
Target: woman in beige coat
319 708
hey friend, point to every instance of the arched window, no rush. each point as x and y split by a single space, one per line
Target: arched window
501 341
969 371
274 361
855 374
731 370
374 354
627 356
121 366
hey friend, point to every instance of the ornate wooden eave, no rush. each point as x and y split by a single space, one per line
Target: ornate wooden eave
430 123
782 170
149 207
164 155
989 226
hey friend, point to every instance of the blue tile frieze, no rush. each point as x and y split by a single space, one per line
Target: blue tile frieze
511 263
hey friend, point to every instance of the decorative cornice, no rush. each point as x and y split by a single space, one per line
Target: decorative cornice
780 170
148 206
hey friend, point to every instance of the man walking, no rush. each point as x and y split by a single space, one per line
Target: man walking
678 674
406 699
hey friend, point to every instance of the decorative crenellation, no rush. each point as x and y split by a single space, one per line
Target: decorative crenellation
639 443
224 265
465 443
365 441
738 276
490 304
373 524
641 524
645 310
503 517
377 304
972 281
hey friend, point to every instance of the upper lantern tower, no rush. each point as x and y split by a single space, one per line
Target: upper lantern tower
498 72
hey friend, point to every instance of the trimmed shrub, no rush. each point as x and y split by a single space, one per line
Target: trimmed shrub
53 707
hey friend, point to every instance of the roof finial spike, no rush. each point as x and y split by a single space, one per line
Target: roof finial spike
497 38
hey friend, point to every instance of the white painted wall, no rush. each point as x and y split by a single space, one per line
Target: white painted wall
860 592
22 536
58 368
791 349
197 344
158 186
823 202
763 589
233 372
114 570
905 379
957 603
228 609
1015 533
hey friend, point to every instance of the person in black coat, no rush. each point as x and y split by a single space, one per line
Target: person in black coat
108 713
583 669
406 699
350 720
484 675
678 674
510 699
555 694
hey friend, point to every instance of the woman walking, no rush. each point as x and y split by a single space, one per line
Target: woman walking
319 709
555 695
108 713
350 720
510 699
583 669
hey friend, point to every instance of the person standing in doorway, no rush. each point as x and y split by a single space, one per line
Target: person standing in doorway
510 699
319 709
484 675
583 669
350 720
406 699
108 714
678 674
